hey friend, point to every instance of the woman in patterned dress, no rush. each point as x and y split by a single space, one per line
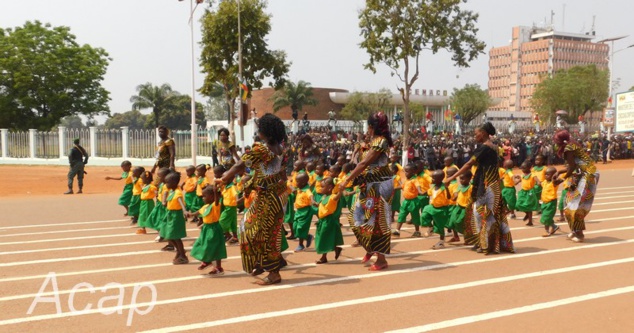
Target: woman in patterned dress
582 177
488 229
165 150
261 228
226 149
308 151
370 215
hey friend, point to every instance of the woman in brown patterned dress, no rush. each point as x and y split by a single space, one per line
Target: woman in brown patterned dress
370 216
261 228
165 150
488 229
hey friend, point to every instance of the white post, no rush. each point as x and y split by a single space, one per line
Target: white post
194 134
124 141
32 133
62 141
4 137
93 141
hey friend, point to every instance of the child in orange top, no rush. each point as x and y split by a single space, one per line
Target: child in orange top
229 212
289 214
210 245
549 201
135 202
398 186
328 237
438 208
126 195
462 198
201 183
448 164
189 188
453 188
148 194
527 201
508 189
174 228
303 212
411 204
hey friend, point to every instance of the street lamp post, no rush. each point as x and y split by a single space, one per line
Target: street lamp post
194 128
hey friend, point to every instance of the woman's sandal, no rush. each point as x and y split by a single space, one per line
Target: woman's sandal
267 282
552 232
256 272
366 258
376 267
203 266
337 252
321 261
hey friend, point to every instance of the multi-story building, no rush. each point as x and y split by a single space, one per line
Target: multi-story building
535 53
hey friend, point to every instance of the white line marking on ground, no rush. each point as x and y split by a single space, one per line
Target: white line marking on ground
516 311
404 254
64 231
57 224
381 298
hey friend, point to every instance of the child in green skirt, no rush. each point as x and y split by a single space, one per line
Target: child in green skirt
438 208
135 201
319 176
173 229
508 189
289 213
539 171
303 212
564 192
157 216
201 183
348 196
462 198
398 186
527 201
148 194
189 189
126 195
328 237
229 212
210 244
411 203
549 201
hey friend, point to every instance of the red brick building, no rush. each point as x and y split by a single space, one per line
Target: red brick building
260 100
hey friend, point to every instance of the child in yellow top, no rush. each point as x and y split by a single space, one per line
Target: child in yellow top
328 236
438 208
135 202
303 212
229 214
539 171
310 170
335 170
349 192
210 245
148 194
157 217
189 188
448 164
508 189
564 192
289 214
411 203
527 201
453 187
424 181
549 201
201 183
319 176
126 195
462 198
174 228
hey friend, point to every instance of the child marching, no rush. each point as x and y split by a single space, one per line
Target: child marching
210 245
173 229
438 208
549 201
527 200
126 195
148 194
328 237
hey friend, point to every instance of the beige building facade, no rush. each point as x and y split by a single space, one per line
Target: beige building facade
515 70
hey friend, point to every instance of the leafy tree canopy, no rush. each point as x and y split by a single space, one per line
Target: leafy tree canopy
219 57
160 99
133 119
293 95
45 75
72 122
469 102
360 105
577 90
395 32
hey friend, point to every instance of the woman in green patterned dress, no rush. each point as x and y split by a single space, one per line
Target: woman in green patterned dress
261 228
370 215
488 226
582 178
165 151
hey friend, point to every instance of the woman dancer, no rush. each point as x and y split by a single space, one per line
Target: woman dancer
165 151
582 177
370 216
491 232
261 228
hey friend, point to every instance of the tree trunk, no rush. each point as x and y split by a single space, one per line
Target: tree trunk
406 124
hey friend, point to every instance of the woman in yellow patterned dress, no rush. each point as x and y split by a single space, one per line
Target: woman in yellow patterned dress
489 229
582 177
370 215
165 150
261 228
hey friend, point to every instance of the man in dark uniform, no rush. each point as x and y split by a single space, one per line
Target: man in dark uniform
77 159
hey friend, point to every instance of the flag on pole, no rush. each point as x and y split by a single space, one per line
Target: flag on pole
245 90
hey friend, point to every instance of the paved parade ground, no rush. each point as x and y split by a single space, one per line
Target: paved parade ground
82 246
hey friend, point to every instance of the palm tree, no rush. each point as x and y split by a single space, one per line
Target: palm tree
295 96
159 99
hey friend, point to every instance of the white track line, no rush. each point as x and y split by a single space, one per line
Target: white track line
611 203
516 311
404 254
381 298
64 231
348 278
58 224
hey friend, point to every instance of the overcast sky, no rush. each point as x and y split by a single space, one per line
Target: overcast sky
149 40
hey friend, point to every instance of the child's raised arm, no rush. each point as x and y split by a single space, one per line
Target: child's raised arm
113 178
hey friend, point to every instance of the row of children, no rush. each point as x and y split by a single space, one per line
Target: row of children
213 206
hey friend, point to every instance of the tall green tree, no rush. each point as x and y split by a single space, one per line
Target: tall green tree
219 57
72 122
632 88
577 90
158 98
469 102
178 116
133 119
361 104
395 32
45 75
293 95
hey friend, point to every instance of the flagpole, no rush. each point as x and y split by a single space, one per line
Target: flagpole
242 120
